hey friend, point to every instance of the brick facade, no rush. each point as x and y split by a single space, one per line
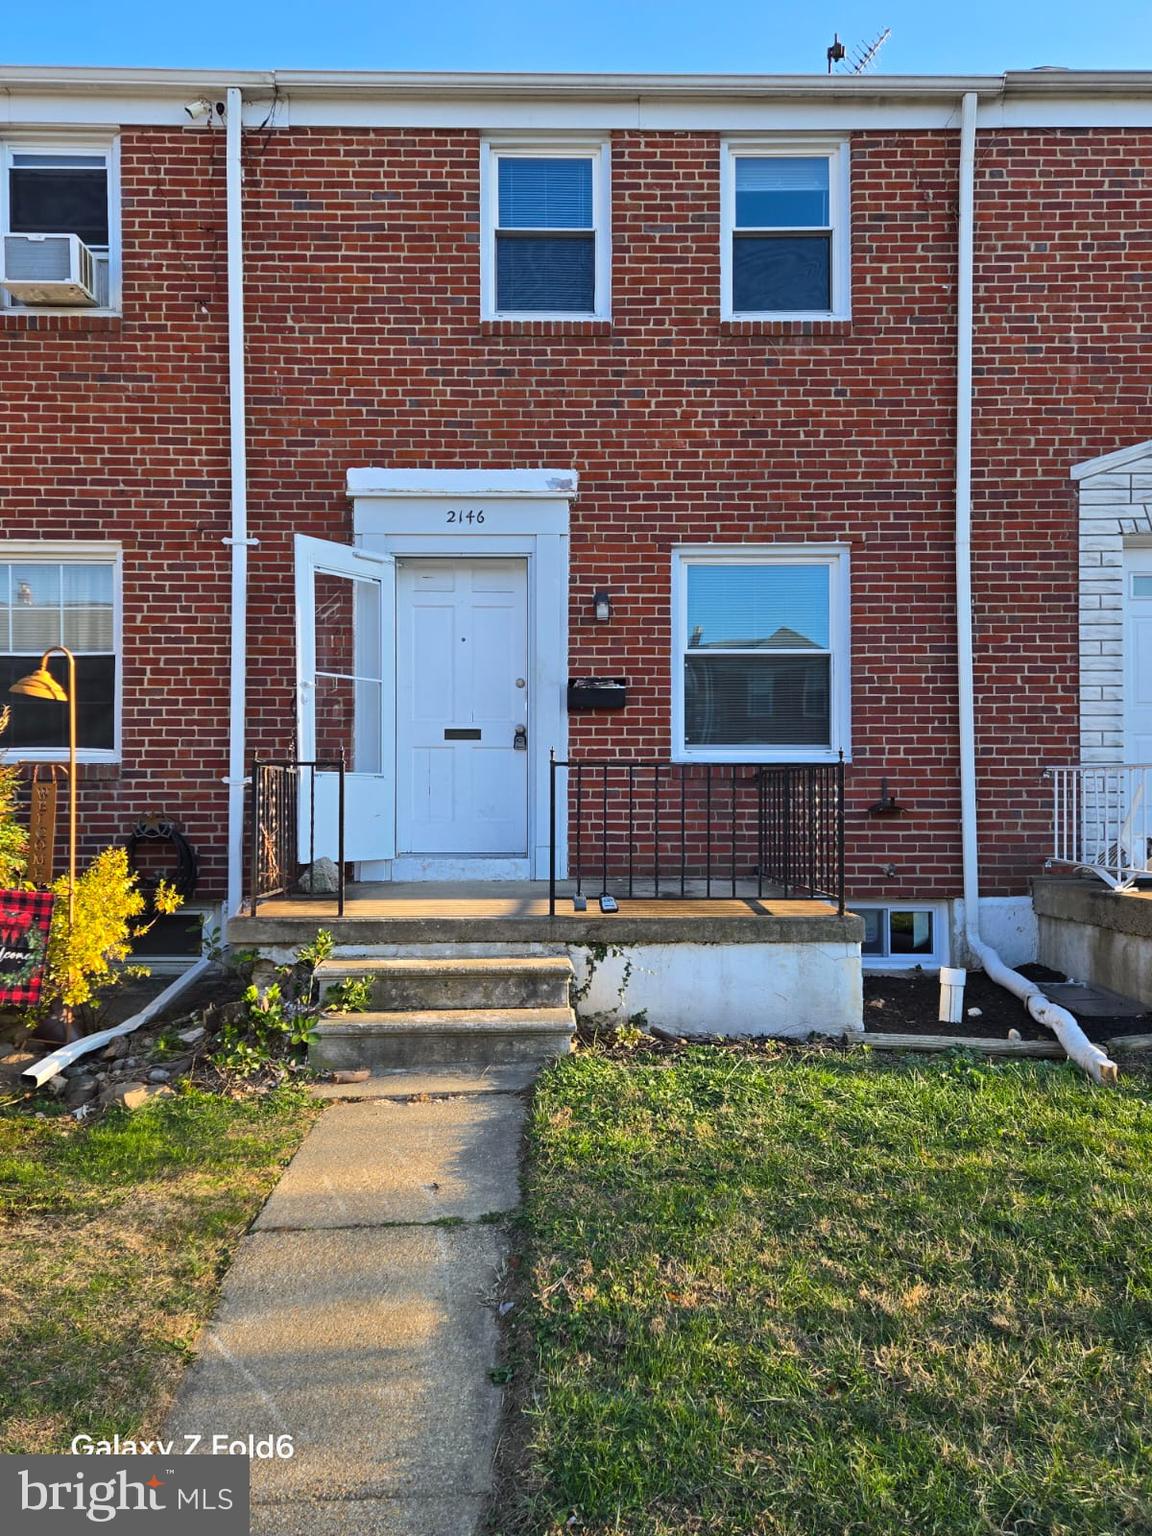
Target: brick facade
116 429
365 346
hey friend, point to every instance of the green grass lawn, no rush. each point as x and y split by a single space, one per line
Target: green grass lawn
829 1293
112 1242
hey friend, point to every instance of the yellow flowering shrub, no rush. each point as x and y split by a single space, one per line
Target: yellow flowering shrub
108 909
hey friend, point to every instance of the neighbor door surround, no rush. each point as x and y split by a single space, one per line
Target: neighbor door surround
1115 494
498 514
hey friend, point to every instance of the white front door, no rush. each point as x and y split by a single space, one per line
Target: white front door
462 707
345 600
1138 655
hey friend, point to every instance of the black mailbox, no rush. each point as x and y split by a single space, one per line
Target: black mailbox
585 693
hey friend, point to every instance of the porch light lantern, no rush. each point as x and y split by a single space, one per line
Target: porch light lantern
42 685
602 607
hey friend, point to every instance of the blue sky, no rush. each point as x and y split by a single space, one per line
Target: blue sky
974 36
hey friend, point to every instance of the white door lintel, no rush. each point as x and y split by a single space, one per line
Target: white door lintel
537 483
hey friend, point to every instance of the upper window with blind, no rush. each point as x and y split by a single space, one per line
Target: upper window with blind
761 656
545 245
58 226
785 251
46 602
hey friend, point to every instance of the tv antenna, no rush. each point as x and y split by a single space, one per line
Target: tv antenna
862 57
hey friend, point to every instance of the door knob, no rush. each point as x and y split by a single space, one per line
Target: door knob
520 740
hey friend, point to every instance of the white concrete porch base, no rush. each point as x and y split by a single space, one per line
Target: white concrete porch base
1097 935
785 990
739 967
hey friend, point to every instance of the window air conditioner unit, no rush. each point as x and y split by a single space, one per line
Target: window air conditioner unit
48 269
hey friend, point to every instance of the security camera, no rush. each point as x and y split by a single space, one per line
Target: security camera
201 107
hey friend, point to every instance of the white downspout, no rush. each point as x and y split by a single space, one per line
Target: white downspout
40 1071
1079 1048
239 538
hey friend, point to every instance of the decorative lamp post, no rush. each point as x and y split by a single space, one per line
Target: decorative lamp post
42 685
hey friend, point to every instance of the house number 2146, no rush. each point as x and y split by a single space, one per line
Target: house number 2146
471 516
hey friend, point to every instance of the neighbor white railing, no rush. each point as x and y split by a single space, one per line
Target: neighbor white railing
1102 820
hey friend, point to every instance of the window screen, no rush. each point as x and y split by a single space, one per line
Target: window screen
758 658
782 192
545 235
59 194
43 604
782 234
545 193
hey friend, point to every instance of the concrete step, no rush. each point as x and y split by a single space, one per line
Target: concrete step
442 1082
439 982
440 1037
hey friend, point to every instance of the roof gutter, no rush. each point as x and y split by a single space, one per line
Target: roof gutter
239 539
1077 1045
97 81
459 83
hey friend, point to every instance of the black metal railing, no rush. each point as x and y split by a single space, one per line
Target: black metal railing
276 857
643 828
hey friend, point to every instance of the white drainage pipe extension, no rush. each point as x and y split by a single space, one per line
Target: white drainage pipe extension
951 995
48 1066
1075 1042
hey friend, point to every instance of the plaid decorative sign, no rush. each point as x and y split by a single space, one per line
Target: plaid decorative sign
25 918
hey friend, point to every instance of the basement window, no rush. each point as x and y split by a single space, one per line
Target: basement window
60 189
784 231
47 601
545 244
902 937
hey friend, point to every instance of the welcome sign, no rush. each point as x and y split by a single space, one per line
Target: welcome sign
25 918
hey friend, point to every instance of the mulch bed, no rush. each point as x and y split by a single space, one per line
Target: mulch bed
908 1005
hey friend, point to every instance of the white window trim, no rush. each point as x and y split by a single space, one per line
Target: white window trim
32 552
938 955
839 210
597 150
71 144
836 558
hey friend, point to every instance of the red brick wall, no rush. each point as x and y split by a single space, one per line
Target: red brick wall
365 347
1064 278
116 429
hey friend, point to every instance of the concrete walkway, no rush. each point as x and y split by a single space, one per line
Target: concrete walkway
359 1315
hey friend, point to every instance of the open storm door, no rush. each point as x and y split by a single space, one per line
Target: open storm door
345 660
